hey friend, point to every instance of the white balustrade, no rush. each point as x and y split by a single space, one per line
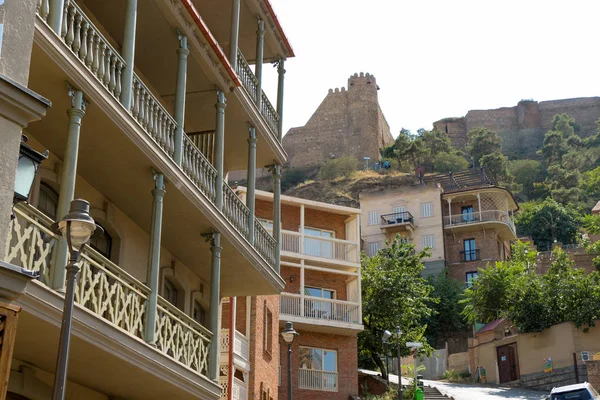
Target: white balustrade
268 112
199 170
264 242
240 390
319 308
483 216
336 249
235 210
43 9
240 344
317 380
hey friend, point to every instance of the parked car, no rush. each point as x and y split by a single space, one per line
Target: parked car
579 391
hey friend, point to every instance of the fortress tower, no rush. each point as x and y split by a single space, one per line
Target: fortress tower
347 123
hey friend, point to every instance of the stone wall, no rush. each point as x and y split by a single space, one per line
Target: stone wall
593 373
523 126
347 123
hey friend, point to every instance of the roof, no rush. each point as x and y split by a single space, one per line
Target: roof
468 178
568 388
491 326
280 29
596 209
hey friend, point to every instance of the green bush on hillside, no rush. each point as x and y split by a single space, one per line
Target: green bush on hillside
337 168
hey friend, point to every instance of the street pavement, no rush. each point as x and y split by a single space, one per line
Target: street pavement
485 392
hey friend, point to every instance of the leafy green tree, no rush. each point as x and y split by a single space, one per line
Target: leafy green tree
525 173
436 142
590 188
548 222
446 318
449 162
496 167
393 294
481 142
591 225
399 148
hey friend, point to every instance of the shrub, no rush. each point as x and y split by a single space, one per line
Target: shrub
448 162
292 177
452 375
337 168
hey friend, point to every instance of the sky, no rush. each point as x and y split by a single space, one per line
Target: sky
438 58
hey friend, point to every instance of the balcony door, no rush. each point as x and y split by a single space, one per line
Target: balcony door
467 213
470 250
399 214
314 245
318 369
321 309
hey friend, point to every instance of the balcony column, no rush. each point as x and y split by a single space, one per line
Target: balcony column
276 171
359 295
67 182
214 322
479 205
232 329
220 146
301 228
128 52
280 81
152 272
251 177
449 211
234 33
55 17
302 287
260 46
179 114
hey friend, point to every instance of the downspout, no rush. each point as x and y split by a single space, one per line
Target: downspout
232 307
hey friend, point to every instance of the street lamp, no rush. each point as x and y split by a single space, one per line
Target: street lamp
386 341
27 168
77 227
288 336
398 334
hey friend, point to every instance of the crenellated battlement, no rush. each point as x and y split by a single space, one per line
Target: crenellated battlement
361 79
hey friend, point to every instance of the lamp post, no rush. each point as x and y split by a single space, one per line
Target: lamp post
386 341
27 168
398 334
77 228
288 334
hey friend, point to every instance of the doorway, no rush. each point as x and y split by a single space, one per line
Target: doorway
508 363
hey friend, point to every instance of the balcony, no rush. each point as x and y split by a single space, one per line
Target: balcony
474 221
83 49
241 349
239 392
397 222
317 380
110 293
319 247
319 311
469 255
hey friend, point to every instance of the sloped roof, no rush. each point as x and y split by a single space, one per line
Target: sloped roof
596 209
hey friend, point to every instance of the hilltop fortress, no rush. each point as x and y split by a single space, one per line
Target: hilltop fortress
347 123
523 126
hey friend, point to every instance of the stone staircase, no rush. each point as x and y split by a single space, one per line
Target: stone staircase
432 393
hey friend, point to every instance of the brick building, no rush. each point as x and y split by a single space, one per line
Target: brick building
321 267
464 219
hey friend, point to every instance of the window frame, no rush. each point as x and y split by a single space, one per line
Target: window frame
472 251
472 275
322 289
375 219
372 253
426 206
268 330
423 239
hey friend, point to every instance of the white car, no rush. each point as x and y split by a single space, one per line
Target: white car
579 391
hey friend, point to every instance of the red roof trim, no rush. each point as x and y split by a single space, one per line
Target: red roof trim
280 29
212 41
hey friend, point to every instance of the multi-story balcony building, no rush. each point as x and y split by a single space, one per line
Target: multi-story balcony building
153 102
320 263
464 219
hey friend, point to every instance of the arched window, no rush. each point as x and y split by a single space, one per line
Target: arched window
48 201
103 243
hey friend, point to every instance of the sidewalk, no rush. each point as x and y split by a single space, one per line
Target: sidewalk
485 392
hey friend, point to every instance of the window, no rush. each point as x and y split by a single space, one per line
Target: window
268 331
470 252
319 292
429 241
103 243
372 248
467 213
373 217
318 369
319 308
199 314
471 276
170 292
426 210
48 201
318 247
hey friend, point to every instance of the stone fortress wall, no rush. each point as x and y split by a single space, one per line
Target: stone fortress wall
523 126
349 122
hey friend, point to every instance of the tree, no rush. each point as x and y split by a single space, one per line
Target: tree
548 222
393 294
482 141
446 318
448 162
525 173
496 166
399 148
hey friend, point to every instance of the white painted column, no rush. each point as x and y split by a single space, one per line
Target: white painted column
359 296
301 228
358 239
479 202
449 211
302 288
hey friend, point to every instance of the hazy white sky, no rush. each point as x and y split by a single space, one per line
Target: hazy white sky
438 58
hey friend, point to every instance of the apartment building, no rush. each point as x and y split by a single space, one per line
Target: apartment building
320 263
152 103
464 218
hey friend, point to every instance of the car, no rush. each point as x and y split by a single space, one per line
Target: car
579 391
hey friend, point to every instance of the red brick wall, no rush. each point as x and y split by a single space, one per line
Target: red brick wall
265 366
240 315
347 364
319 279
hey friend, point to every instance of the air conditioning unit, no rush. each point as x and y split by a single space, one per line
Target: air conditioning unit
585 356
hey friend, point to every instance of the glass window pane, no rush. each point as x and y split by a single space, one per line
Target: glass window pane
315 292
329 361
328 294
316 358
312 232
304 357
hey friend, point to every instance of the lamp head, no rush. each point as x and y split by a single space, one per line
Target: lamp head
289 333
386 336
77 226
398 331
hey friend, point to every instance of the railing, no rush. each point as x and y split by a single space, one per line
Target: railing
235 210
397 218
483 216
199 170
108 291
240 344
331 248
469 255
152 116
205 142
319 308
182 338
269 113
240 390
264 242
317 380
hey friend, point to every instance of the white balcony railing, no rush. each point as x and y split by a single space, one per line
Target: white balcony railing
108 291
317 380
240 344
335 249
105 63
239 392
319 308
476 217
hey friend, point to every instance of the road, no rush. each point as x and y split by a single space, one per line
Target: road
487 392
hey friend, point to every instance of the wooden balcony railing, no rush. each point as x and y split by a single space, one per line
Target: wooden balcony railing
108 291
240 344
319 308
335 249
239 390
317 380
